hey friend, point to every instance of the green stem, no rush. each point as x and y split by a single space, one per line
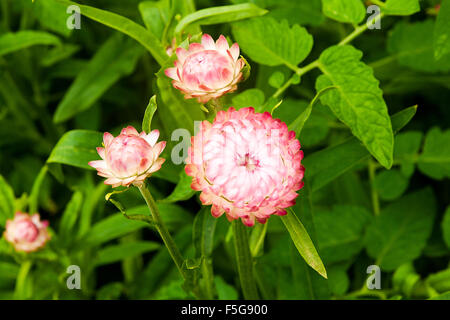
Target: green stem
374 193
164 233
244 261
25 268
358 31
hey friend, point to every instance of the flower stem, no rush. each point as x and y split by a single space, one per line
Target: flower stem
164 233
358 31
244 261
374 193
20 290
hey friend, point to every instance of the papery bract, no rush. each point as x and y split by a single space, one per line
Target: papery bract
208 70
27 233
130 157
246 164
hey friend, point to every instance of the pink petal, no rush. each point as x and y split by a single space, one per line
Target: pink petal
182 54
235 51
172 73
152 137
222 44
129 131
208 42
101 152
107 138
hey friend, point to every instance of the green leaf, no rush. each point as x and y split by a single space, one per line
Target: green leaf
405 278
52 15
325 165
116 253
340 232
70 216
446 227
401 7
301 12
303 242
148 116
155 16
182 190
249 98
224 290
416 52
406 147
358 100
34 195
399 234
276 80
338 278
8 270
113 227
115 59
13 41
217 15
76 148
441 39
6 201
273 43
110 291
203 232
145 37
435 158
390 184
350 11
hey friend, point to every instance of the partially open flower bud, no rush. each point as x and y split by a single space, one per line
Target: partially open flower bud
208 70
130 157
246 164
26 233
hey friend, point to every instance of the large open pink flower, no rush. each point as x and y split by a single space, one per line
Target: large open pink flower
130 157
208 70
27 233
247 165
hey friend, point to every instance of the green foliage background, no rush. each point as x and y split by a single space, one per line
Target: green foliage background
376 143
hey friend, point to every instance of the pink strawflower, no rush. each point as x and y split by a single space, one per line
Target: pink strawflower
130 157
26 233
208 70
246 164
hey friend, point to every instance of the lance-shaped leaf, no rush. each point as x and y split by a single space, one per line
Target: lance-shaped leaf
221 14
13 41
6 201
148 116
357 100
303 242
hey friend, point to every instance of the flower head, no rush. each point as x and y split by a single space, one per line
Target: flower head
27 233
130 157
247 165
207 70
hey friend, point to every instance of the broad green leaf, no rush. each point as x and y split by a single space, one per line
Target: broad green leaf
338 278
116 253
116 58
351 11
302 12
439 281
401 7
340 231
446 227
276 80
406 147
182 190
76 148
13 41
155 15
405 278
110 291
399 234
217 15
249 98
52 15
224 290
391 184
145 37
303 242
357 101
273 43
148 116
435 158
6 201
441 39
416 52
8 270
326 165
444 296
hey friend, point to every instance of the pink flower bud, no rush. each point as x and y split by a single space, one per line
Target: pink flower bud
27 233
130 157
247 165
208 70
